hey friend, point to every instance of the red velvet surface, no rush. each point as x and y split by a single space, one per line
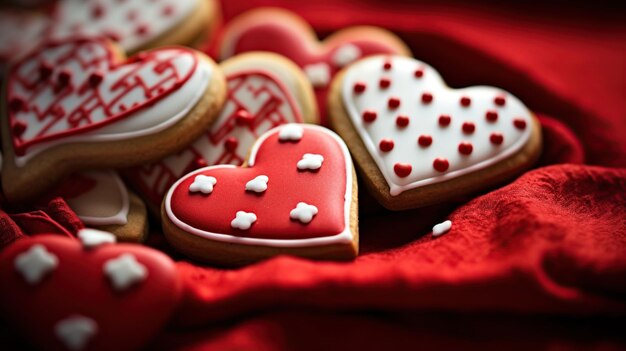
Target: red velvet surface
538 263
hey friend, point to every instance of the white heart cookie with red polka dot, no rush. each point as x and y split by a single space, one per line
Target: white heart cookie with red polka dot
420 142
134 24
87 294
75 103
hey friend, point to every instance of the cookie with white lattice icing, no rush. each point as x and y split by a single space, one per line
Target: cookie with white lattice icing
265 90
80 104
419 142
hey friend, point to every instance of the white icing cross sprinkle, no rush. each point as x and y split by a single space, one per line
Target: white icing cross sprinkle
243 220
76 331
93 238
442 228
346 54
125 271
291 132
303 212
35 263
203 184
318 73
310 161
258 184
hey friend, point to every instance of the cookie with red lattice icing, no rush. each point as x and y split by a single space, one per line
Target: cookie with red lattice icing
419 142
265 90
295 195
78 104
285 33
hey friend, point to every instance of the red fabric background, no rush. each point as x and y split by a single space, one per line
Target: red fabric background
537 263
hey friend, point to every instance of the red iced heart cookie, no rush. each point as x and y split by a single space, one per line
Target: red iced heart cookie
264 91
420 142
287 34
64 295
76 104
296 195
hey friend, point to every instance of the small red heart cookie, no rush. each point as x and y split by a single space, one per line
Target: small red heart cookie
265 90
296 195
137 24
64 295
77 104
285 33
419 142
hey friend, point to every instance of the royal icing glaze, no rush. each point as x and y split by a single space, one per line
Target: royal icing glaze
74 90
258 184
125 271
442 228
132 23
98 197
92 238
76 331
310 162
450 132
267 102
202 184
35 263
243 220
329 190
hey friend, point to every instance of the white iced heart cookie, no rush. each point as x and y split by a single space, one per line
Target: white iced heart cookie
420 142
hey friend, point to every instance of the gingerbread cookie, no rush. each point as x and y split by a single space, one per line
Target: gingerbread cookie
296 195
101 200
283 32
78 104
137 24
87 294
265 90
418 142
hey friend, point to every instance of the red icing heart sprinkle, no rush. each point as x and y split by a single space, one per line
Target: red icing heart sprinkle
496 138
64 78
402 121
95 78
468 127
419 73
427 98
441 164
243 118
231 144
45 70
387 65
499 100
393 102
16 104
384 83
519 123
425 140
97 11
369 116
142 29
402 170
359 87
444 120
386 145
465 101
19 127
491 116
465 148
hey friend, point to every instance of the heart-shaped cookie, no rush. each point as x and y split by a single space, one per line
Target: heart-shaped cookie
285 33
64 295
77 104
136 24
265 90
296 195
419 142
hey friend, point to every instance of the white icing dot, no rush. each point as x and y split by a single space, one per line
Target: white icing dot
125 271
303 212
35 263
310 161
290 132
243 220
203 184
318 73
442 228
91 238
258 184
76 331
346 54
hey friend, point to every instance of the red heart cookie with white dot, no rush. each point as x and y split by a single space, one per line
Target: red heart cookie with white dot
265 90
296 195
78 104
285 33
65 294
419 142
